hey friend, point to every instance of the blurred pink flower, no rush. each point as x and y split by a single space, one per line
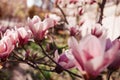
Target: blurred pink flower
24 35
66 60
74 30
90 54
6 47
13 35
39 28
98 30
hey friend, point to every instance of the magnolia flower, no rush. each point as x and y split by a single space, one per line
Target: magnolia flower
24 35
98 30
39 28
91 58
93 28
86 26
13 35
6 46
66 60
74 30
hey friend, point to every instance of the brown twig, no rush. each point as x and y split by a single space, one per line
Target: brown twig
102 6
62 13
118 37
35 66
109 74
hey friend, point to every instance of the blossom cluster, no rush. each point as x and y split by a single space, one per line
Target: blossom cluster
19 36
92 54
11 38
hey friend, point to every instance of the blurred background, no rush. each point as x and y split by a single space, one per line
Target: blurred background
15 13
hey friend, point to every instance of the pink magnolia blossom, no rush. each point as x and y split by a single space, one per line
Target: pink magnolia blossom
66 60
90 54
74 30
6 47
13 35
24 35
18 35
98 30
39 28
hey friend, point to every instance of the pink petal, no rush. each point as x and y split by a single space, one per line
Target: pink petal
22 32
13 35
66 60
73 44
111 54
108 44
35 19
2 47
116 63
36 28
48 23
94 66
91 47
8 47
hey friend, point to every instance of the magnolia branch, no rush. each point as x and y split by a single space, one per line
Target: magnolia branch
62 13
33 65
57 63
102 5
